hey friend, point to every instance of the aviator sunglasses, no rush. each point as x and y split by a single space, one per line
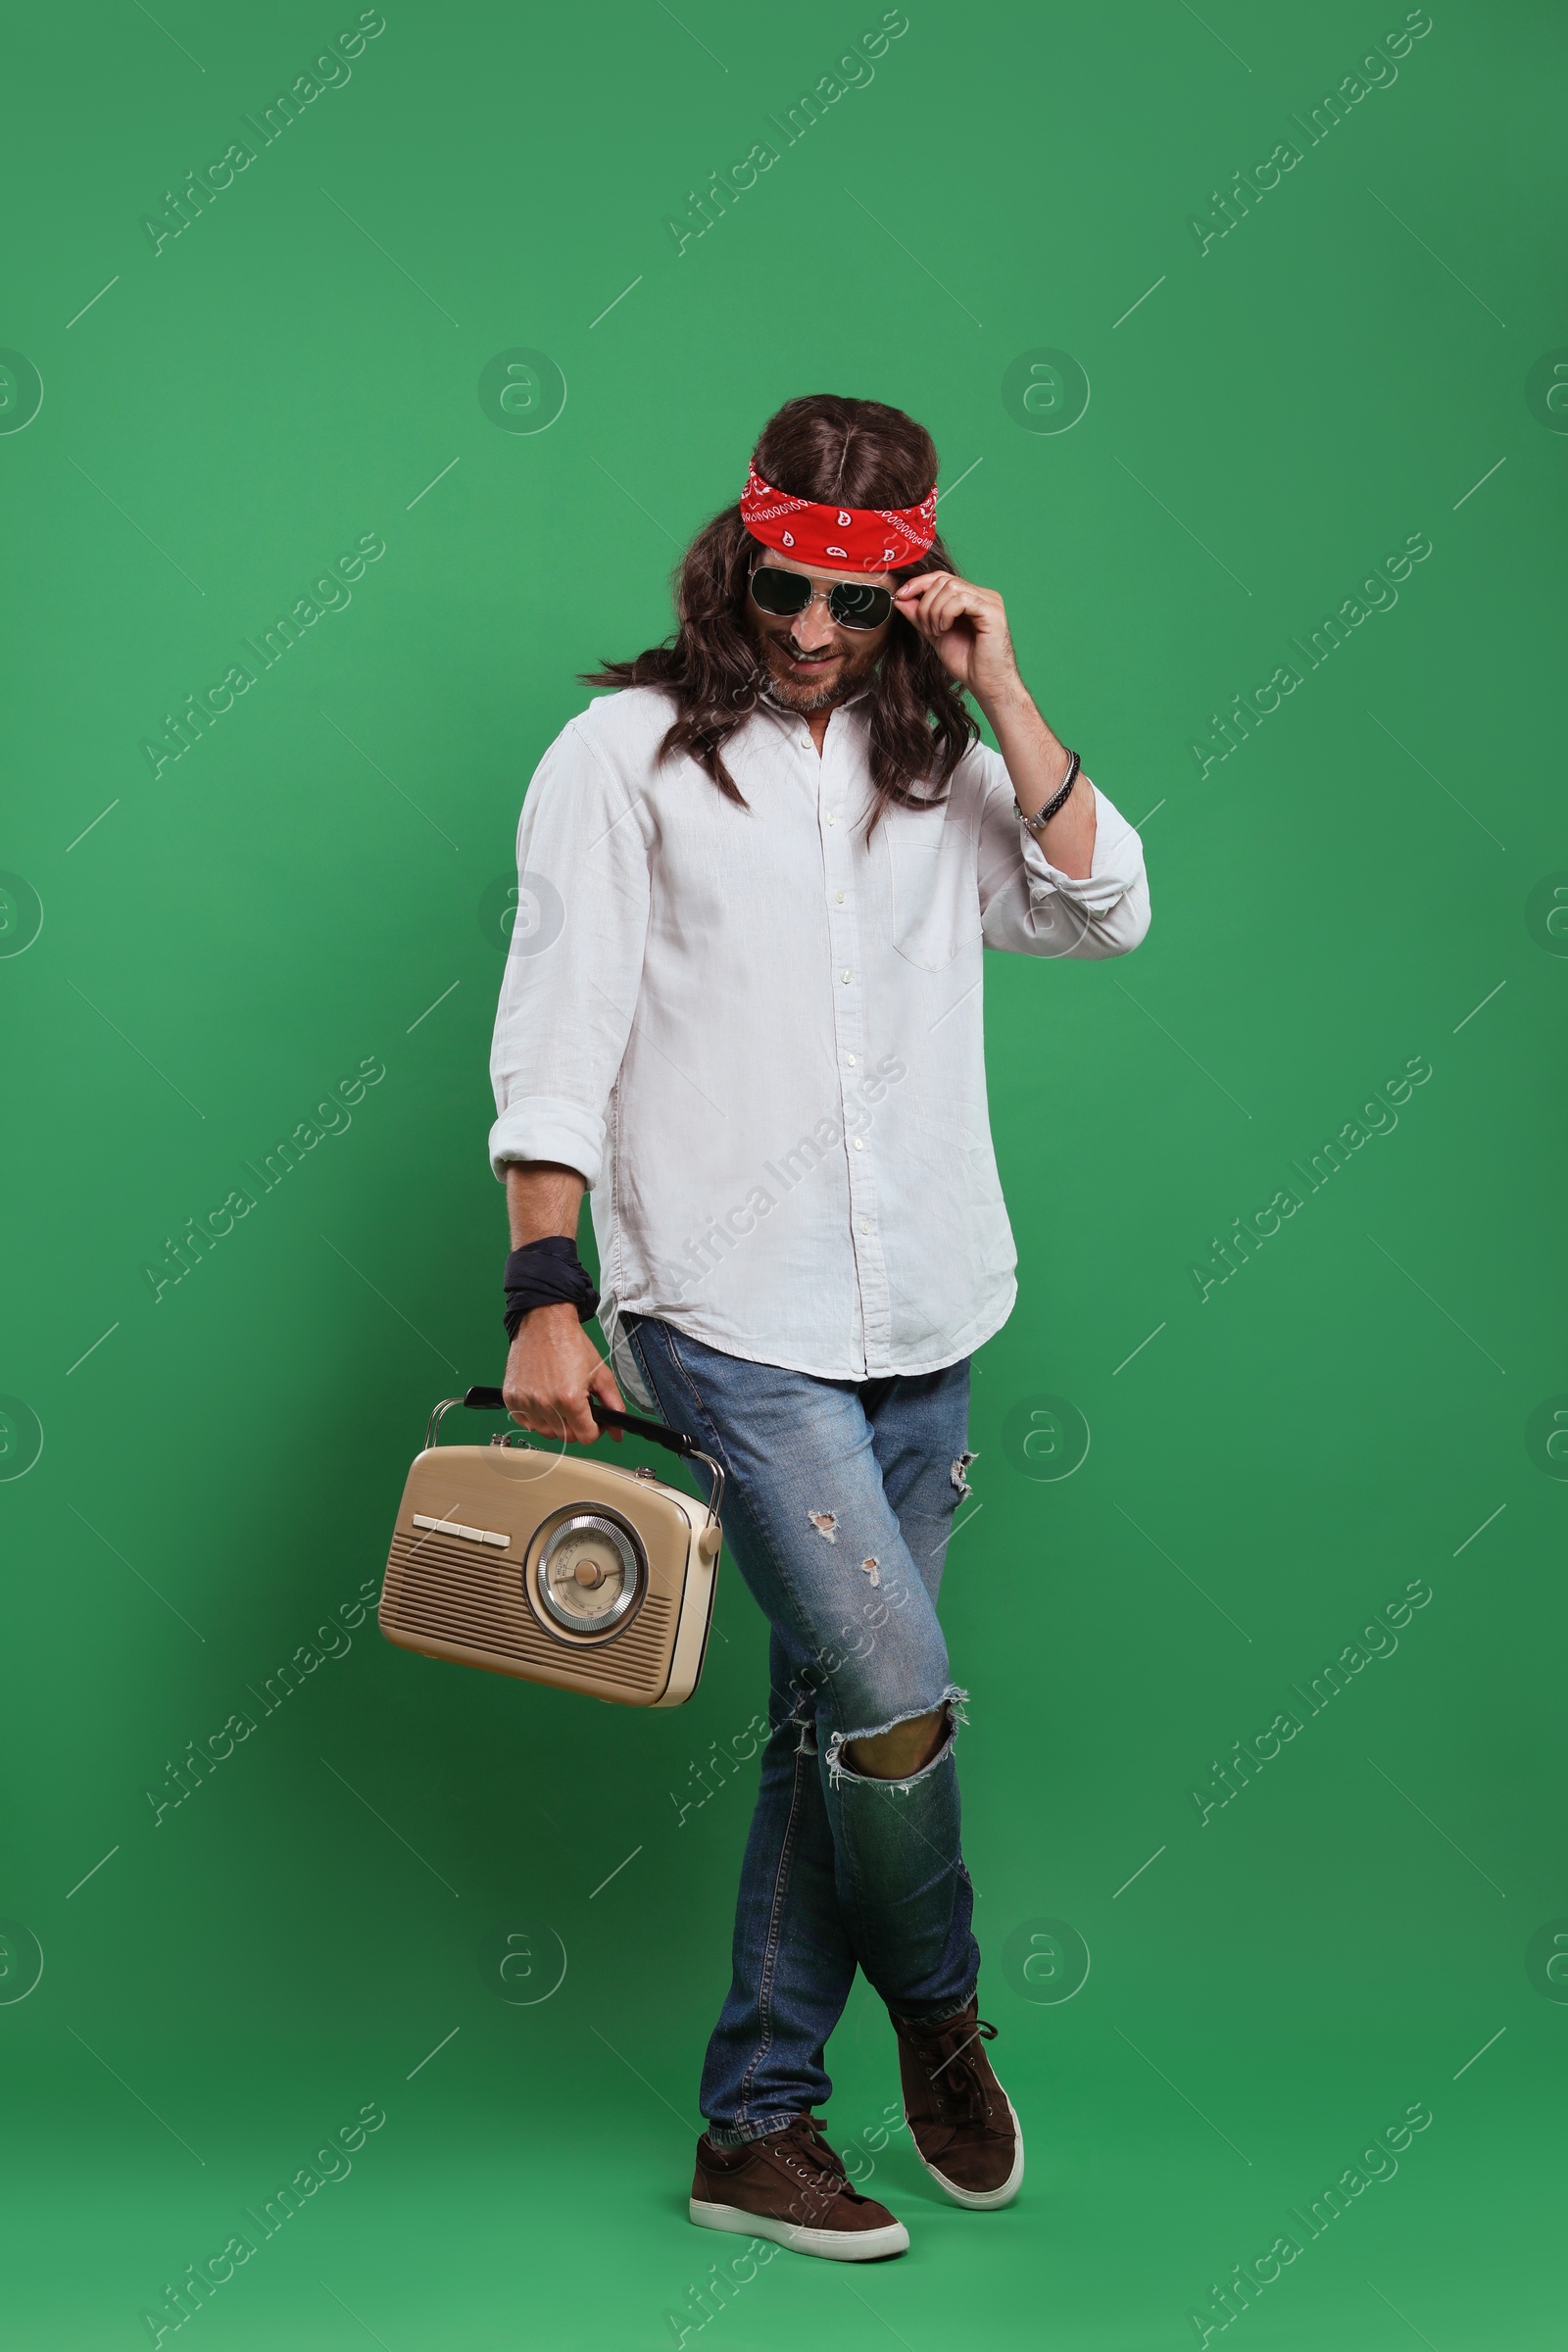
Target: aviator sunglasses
785 595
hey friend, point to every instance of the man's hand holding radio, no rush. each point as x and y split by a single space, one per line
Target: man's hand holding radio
553 1367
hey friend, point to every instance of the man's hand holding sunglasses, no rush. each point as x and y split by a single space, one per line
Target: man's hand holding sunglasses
967 626
968 629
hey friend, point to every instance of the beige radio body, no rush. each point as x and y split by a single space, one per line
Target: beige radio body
480 1570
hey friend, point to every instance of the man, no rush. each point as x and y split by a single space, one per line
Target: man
746 1012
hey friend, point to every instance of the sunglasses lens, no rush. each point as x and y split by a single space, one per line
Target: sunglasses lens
781 593
855 607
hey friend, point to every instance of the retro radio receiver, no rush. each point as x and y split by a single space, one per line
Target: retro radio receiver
521 1559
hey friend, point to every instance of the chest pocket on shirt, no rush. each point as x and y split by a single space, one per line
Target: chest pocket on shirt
936 904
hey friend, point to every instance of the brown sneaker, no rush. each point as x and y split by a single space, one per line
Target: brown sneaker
963 2125
791 2188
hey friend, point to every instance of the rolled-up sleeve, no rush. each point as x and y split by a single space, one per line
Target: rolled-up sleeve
1030 908
574 964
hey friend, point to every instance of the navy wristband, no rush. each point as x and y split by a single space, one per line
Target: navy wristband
547 1273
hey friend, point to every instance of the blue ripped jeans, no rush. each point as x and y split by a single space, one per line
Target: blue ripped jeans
839 1505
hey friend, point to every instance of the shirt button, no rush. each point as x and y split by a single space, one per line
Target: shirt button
846 977
832 819
864 1226
859 1142
850 1058
805 743
838 898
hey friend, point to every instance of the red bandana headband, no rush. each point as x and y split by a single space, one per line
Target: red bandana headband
855 538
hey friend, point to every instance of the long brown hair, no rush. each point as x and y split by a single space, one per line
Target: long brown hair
857 452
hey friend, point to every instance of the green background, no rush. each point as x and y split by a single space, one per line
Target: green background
304 890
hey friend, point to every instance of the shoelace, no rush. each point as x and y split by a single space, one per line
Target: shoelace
804 2150
956 2078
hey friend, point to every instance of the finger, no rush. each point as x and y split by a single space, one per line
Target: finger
943 608
580 1425
926 581
916 594
602 1385
915 600
923 614
549 1416
938 616
948 594
541 1422
957 600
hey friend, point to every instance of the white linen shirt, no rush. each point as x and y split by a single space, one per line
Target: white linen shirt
759 1036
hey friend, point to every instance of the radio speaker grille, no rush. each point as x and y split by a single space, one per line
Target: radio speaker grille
441 1590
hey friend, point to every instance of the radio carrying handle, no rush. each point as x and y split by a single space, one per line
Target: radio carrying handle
491 1400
